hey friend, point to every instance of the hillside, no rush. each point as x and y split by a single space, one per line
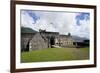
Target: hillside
27 30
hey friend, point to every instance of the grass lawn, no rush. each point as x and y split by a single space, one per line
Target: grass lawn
55 54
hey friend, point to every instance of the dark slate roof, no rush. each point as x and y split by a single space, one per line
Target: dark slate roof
27 30
64 36
52 32
48 32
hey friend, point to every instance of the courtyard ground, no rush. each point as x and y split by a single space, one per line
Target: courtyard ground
55 54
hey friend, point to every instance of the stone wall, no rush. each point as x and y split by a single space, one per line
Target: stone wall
38 42
66 41
43 40
25 39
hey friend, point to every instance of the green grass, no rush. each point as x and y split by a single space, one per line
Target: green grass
55 54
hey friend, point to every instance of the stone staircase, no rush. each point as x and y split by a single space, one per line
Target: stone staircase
55 46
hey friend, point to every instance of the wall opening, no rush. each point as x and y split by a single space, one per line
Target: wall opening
52 41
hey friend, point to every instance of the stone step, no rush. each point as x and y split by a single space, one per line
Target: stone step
55 46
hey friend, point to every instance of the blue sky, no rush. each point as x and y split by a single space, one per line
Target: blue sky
63 22
82 16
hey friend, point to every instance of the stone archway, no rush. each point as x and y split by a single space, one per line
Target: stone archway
52 41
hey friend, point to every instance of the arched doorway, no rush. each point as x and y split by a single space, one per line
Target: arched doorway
27 47
52 41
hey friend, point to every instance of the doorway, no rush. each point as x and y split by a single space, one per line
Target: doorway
52 41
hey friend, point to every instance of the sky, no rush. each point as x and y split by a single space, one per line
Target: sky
75 23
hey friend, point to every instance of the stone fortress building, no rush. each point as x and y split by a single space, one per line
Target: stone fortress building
32 40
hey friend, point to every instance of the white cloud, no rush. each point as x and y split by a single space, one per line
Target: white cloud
26 20
62 22
82 30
